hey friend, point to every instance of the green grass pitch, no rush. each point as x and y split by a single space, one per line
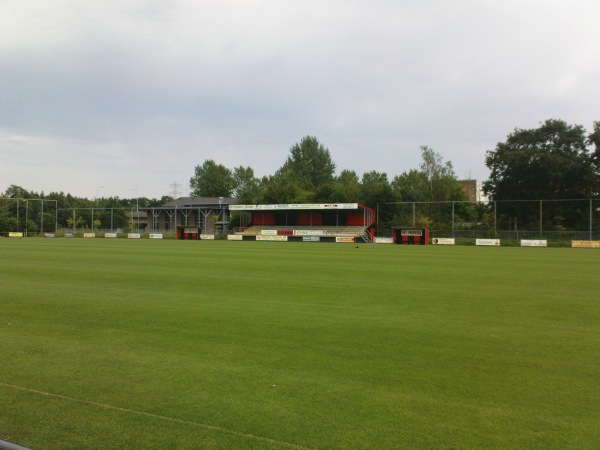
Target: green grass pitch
168 344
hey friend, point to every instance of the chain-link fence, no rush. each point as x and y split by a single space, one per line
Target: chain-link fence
510 219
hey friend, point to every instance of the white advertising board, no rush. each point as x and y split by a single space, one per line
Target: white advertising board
110 235
293 206
89 235
383 240
443 241
492 242
260 237
156 236
534 243
235 237
207 237
268 232
134 236
310 233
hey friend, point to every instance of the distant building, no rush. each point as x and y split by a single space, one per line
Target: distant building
473 190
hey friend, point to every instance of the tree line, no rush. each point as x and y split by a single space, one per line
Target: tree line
556 161
308 176
73 212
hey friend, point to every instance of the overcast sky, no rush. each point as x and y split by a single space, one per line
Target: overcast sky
125 97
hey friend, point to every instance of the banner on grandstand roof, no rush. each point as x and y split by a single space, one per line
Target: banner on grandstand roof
89 235
134 236
443 241
235 237
344 239
18 234
383 240
207 237
492 242
293 206
261 237
156 236
534 243
310 233
585 244
110 235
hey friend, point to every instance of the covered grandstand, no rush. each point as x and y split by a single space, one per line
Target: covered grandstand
331 222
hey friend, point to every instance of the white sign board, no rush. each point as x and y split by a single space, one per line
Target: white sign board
110 235
260 237
134 236
293 206
156 236
443 241
492 242
534 243
207 237
383 240
235 237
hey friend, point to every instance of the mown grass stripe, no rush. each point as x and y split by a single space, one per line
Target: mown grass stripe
157 416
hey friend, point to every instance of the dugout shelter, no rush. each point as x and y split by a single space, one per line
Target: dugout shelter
410 236
330 222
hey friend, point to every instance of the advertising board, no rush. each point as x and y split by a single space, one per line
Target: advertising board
492 242
268 232
294 206
134 236
207 237
310 233
15 234
89 235
344 239
260 237
383 240
534 243
443 241
156 236
235 237
311 238
69 235
110 235
585 244
49 235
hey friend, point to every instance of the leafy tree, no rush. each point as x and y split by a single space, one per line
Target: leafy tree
284 187
212 180
346 188
546 163
376 189
247 187
310 162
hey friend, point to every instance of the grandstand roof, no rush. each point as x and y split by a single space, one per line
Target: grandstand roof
192 202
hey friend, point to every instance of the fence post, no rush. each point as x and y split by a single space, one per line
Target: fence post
591 219
541 219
